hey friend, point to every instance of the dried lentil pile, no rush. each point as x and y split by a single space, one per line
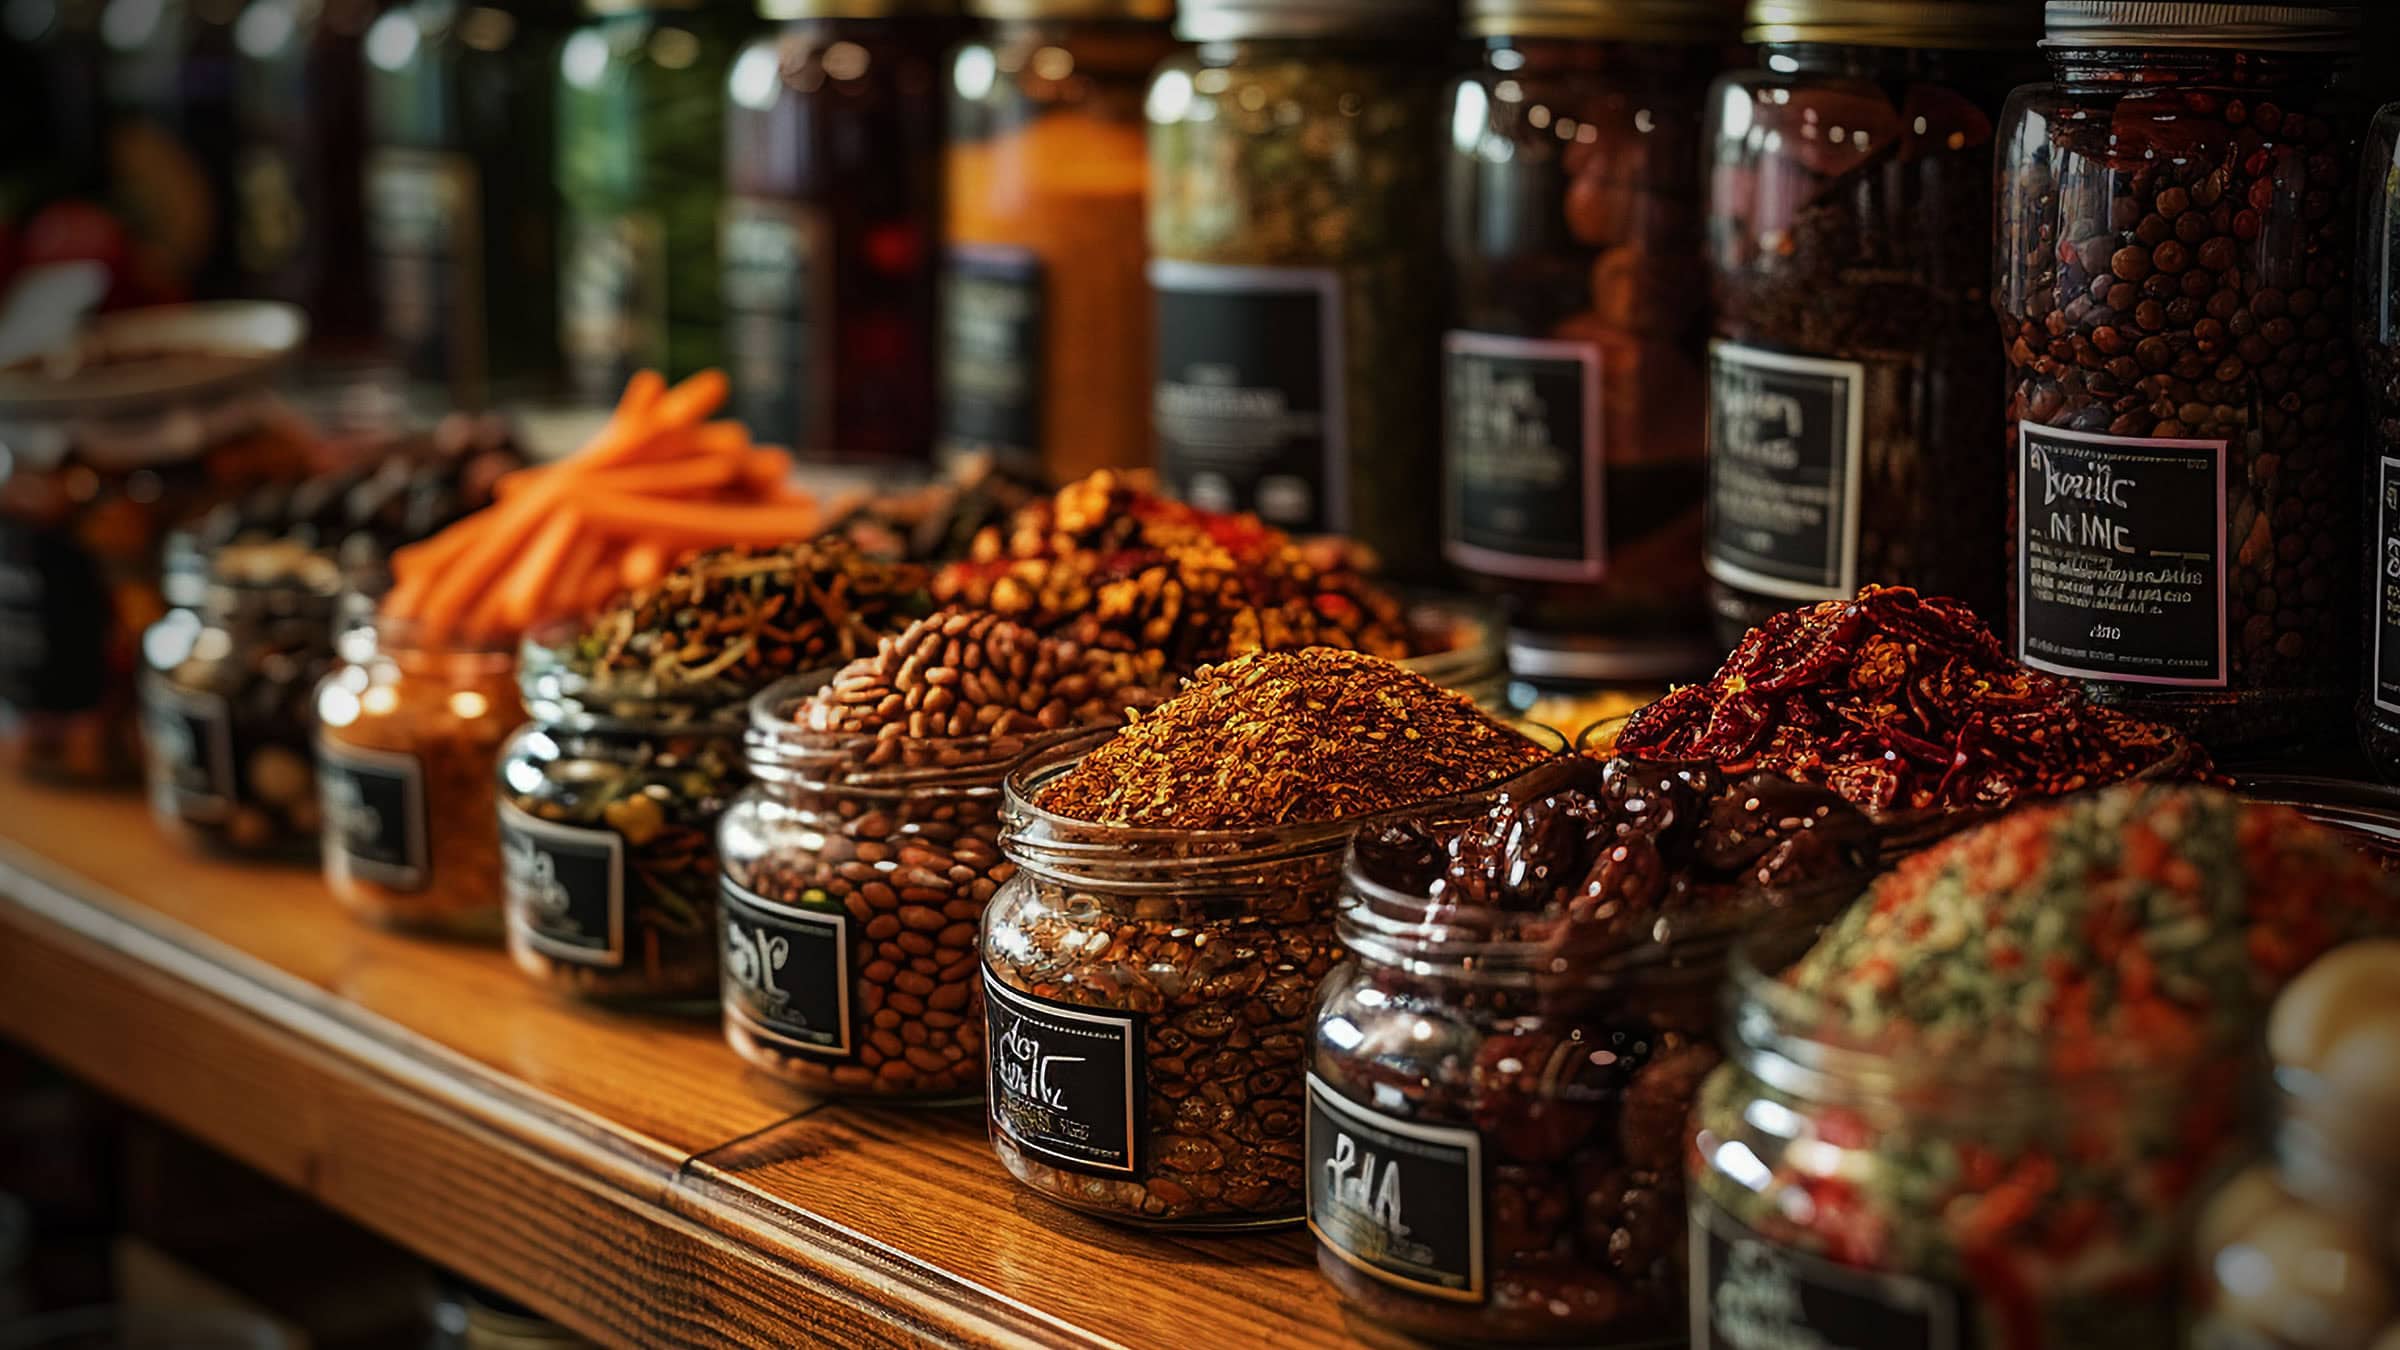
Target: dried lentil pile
1283 737
1108 562
959 673
1903 702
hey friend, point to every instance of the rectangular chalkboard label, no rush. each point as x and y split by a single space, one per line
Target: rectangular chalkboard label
1752 1294
2386 588
189 734
2121 557
374 803
1064 1082
565 888
1249 402
1523 473
993 339
773 261
1399 1200
1785 438
787 973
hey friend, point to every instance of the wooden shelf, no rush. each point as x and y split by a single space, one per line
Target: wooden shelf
626 1176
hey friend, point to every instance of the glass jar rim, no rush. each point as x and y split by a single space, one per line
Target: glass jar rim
364 632
1672 21
781 750
558 691
2201 25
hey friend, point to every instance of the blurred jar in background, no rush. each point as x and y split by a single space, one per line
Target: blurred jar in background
167 72
1574 446
300 230
1046 323
462 216
832 225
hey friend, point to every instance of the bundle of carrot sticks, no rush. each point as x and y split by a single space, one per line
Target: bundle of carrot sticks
659 481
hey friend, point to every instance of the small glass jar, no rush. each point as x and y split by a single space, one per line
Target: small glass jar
856 869
832 232
408 733
1898 1198
608 820
1574 447
462 212
229 703
2375 320
1854 381
1046 342
1296 267
2175 247
299 203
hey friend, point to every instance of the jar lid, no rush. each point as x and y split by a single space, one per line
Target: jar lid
1622 20
1896 23
1148 11
1229 20
2183 23
856 9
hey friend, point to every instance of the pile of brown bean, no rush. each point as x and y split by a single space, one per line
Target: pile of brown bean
964 673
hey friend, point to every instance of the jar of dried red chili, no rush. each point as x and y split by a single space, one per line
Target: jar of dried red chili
2174 268
1574 460
1854 378
2377 330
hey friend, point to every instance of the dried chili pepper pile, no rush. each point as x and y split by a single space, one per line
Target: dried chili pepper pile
1903 702
1277 738
1108 562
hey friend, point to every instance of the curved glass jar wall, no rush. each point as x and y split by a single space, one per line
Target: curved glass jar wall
2375 318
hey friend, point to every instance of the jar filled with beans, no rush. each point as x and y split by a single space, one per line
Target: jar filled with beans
2375 320
2174 291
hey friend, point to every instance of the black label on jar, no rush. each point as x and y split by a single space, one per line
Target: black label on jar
424 225
1522 455
777 318
2121 557
190 738
565 888
1401 1201
2387 585
55 621
992 352
1064 1082
1752 1294
612 302
374 804
1784 436
787 973
1249 400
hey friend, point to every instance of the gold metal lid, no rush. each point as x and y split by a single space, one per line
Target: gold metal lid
2209 26
1615 20
1234 20
1143 11
1944 24
781 10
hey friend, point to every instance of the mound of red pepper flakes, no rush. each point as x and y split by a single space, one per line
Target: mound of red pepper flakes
1898 701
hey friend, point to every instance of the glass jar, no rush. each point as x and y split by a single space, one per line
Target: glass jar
641 133
1895 1198
608 821
1854 382
408 734
2174 270
1297 267
833 218
2378 336
228 703
856 868
168 73
462 213
1574 453
1046 342
299 202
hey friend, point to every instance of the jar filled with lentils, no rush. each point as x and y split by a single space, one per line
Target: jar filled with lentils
1853 381
1574 456
1296 264
2375 320
2174 289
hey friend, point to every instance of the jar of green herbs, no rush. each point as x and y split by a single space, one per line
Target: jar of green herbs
640 168
1296 264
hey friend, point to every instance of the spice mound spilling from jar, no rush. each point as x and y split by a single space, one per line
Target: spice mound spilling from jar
1565 950
959 673
1903 702
1277 738
1110 562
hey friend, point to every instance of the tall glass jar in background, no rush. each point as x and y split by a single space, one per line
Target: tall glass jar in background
1574 451
1854 383
299 203
1045 330
167 71
2175 253
1297 267
461 213
641 135
2375 317
832 225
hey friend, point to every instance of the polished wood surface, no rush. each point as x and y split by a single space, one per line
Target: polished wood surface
627 1176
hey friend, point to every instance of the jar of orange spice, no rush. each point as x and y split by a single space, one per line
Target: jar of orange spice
1045 342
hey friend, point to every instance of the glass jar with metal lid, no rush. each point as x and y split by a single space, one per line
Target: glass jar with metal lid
1854 382
1046 343
1574 452
641 132
2375 324
1296 266
2174 282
